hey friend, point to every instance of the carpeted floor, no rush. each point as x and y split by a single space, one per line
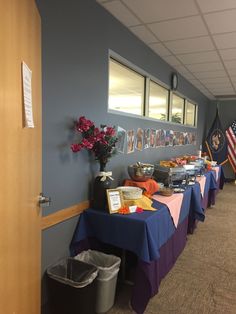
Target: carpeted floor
203 280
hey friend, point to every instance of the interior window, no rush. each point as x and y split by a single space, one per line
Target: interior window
190 113
126 89
177 109
133 91
158 102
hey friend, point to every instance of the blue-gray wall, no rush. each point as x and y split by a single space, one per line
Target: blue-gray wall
227 114
76 37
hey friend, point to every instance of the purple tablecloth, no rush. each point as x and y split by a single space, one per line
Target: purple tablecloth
152 236
149 275
141 233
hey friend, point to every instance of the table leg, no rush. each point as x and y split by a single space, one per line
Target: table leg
123 268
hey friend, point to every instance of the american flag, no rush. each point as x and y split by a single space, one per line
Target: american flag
231 137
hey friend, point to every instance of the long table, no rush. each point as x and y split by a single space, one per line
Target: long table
212 186
150 235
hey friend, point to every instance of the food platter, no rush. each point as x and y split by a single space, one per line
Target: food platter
130 192
179 190
191 183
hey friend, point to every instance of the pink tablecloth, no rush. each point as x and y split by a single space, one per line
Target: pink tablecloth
202 182
216 171
173 202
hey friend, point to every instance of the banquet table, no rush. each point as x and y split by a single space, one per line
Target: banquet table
150 235
212 185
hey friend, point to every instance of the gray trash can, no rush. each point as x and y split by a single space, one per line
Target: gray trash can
108 268
72 287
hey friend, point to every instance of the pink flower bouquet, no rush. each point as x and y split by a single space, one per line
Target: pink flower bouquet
101 142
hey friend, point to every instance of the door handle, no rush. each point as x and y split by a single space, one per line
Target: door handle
44 201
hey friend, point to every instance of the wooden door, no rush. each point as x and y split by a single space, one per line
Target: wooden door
20 160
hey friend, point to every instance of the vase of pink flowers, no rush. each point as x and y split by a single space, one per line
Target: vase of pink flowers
101 143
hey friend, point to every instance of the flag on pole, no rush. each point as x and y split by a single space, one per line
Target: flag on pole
231 137
216 143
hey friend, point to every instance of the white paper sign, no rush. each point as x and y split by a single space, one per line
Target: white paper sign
115 200
27 93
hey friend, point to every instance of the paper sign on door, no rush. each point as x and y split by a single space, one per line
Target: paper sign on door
27 93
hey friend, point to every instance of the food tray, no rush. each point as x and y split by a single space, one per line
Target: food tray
179 190
131 192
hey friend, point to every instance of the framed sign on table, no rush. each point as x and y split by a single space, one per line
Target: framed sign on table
115 200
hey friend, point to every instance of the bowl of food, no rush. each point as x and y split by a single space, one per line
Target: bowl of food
140 172
166 191
131 192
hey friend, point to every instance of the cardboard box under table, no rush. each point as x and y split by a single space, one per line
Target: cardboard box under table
150 235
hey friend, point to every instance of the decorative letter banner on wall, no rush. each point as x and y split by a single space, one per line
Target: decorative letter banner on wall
151 138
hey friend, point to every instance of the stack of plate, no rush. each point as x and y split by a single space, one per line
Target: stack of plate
131 192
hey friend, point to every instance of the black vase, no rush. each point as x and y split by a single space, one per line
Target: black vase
99 190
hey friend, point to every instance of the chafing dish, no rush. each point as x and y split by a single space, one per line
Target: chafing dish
199 166
172 177
191 172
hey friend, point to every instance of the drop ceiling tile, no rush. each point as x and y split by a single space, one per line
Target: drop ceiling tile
199 57
193 80
158 10
172 60
199 85
221 90
224 41
216 80
189 76
203 89
143 33
206 92
203 67
232 72
227 91
216 5
117 9
210 96
190 45
219 96
218 85
234 85
230 64
181 69
221 22
210 74
228 54
178 29
160 49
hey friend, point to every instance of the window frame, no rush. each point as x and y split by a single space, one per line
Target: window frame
145 106
194 113
148 98
127 67
171 105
